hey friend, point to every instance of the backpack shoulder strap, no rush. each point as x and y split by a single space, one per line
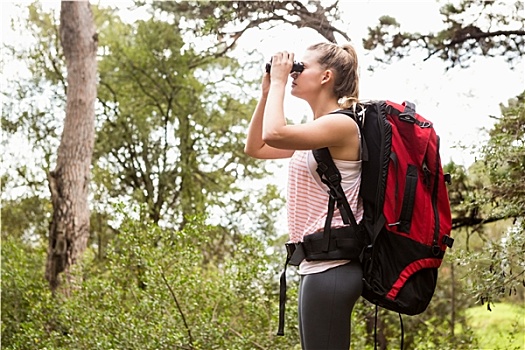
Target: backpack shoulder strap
331 176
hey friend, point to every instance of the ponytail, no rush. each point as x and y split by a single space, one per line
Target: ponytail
343 60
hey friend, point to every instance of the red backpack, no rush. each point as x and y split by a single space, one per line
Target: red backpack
406 207
406 224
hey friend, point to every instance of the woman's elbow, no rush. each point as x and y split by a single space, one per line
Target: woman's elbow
253 151
271 138
249 151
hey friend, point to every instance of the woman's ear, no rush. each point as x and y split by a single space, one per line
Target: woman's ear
328 75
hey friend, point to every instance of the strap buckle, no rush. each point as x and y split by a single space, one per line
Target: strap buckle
448 241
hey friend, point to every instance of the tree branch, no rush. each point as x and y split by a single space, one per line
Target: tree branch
481 35
172 292
257 345
470 221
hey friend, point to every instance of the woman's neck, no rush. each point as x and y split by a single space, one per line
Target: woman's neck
322 102
324 109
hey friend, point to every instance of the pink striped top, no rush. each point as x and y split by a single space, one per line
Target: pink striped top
307 200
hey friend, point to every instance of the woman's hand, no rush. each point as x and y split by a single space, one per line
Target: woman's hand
265 84
255 146
282 63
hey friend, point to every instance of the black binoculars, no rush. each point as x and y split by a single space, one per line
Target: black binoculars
297 67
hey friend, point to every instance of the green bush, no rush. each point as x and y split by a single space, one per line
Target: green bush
501 328
152 291
26 299
158 289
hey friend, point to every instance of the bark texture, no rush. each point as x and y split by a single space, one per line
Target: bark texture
69 182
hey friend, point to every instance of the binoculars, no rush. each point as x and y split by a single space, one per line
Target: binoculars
297 67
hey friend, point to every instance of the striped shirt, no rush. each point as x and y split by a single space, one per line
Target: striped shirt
307 201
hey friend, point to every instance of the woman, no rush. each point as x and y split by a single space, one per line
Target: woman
329 82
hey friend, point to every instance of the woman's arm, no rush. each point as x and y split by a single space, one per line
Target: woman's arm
255 146
336 131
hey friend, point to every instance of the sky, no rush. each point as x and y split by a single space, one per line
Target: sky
458 101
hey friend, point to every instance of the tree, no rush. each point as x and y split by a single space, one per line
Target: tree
504 158
140 178
504 161
167 132
216 17
69 182
168 123
473 28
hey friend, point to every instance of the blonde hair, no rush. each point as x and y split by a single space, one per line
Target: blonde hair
343 60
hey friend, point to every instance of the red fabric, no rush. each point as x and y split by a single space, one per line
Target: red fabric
415 145
409 271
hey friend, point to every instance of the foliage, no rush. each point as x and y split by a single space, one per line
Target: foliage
25 218
47 68
501 328
152 291
227 21
504 158
155 289
501 264
167 129
26 116
467 196
472 28
499 268
169 121
25 292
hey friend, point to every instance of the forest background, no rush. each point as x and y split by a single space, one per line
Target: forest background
132 219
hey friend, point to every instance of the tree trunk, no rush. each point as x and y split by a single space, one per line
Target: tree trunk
69 182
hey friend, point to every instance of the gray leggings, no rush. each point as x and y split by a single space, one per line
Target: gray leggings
326 301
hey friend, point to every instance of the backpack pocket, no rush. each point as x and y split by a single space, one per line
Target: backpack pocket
409 197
